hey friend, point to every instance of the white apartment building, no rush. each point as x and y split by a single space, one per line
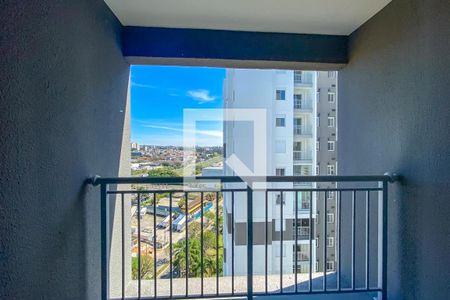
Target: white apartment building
290 98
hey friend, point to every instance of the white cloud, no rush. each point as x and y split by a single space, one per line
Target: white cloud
143 85
201 95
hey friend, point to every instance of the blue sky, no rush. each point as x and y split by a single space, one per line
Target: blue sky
158 96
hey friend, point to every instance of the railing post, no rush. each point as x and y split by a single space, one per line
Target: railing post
385 240
104 211
249 241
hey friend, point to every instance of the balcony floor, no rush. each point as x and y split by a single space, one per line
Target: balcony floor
240 287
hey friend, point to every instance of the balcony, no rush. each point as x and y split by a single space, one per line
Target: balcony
192 261
302 157
302 105
302 131
65 74
302 257
302 232
303 79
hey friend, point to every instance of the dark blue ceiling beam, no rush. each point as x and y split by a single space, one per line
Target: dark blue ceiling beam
223 45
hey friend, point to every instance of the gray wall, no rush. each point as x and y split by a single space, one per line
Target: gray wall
63 98
394 107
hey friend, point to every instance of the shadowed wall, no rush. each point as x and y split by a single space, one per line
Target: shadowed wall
395 111
63 100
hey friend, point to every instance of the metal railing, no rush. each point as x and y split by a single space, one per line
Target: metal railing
302 231
303 77
302 155
302 257
300 130
303 104
355 189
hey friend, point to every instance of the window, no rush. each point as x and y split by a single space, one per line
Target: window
331 97
317 242
331 121
302 228
318 145
331 74
331 145
280 146
330 241
302 170
330 195
280 122
318 95
298 101
297 146
317 169
280 95
279 171
330 218
317 266
330 170
330 265
318 120
302 252
304 200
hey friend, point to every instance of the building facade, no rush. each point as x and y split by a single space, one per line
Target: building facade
326 152
294 112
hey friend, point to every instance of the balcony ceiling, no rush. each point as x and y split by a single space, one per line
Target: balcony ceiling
339 17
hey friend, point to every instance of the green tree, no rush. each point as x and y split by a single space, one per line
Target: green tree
194 254
164 171
146 267
211 217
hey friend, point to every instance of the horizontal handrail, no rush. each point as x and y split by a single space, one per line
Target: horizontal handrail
97 180
211 190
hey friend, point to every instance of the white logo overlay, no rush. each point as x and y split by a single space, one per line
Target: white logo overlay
256 117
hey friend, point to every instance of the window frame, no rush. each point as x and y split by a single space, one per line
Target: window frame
330 216
333 148
332 262
330 241
282 92
331 167
283 171
330 195
283 122
333 119
331 97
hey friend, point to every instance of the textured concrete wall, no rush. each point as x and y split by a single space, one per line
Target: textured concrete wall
395 111
63 98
